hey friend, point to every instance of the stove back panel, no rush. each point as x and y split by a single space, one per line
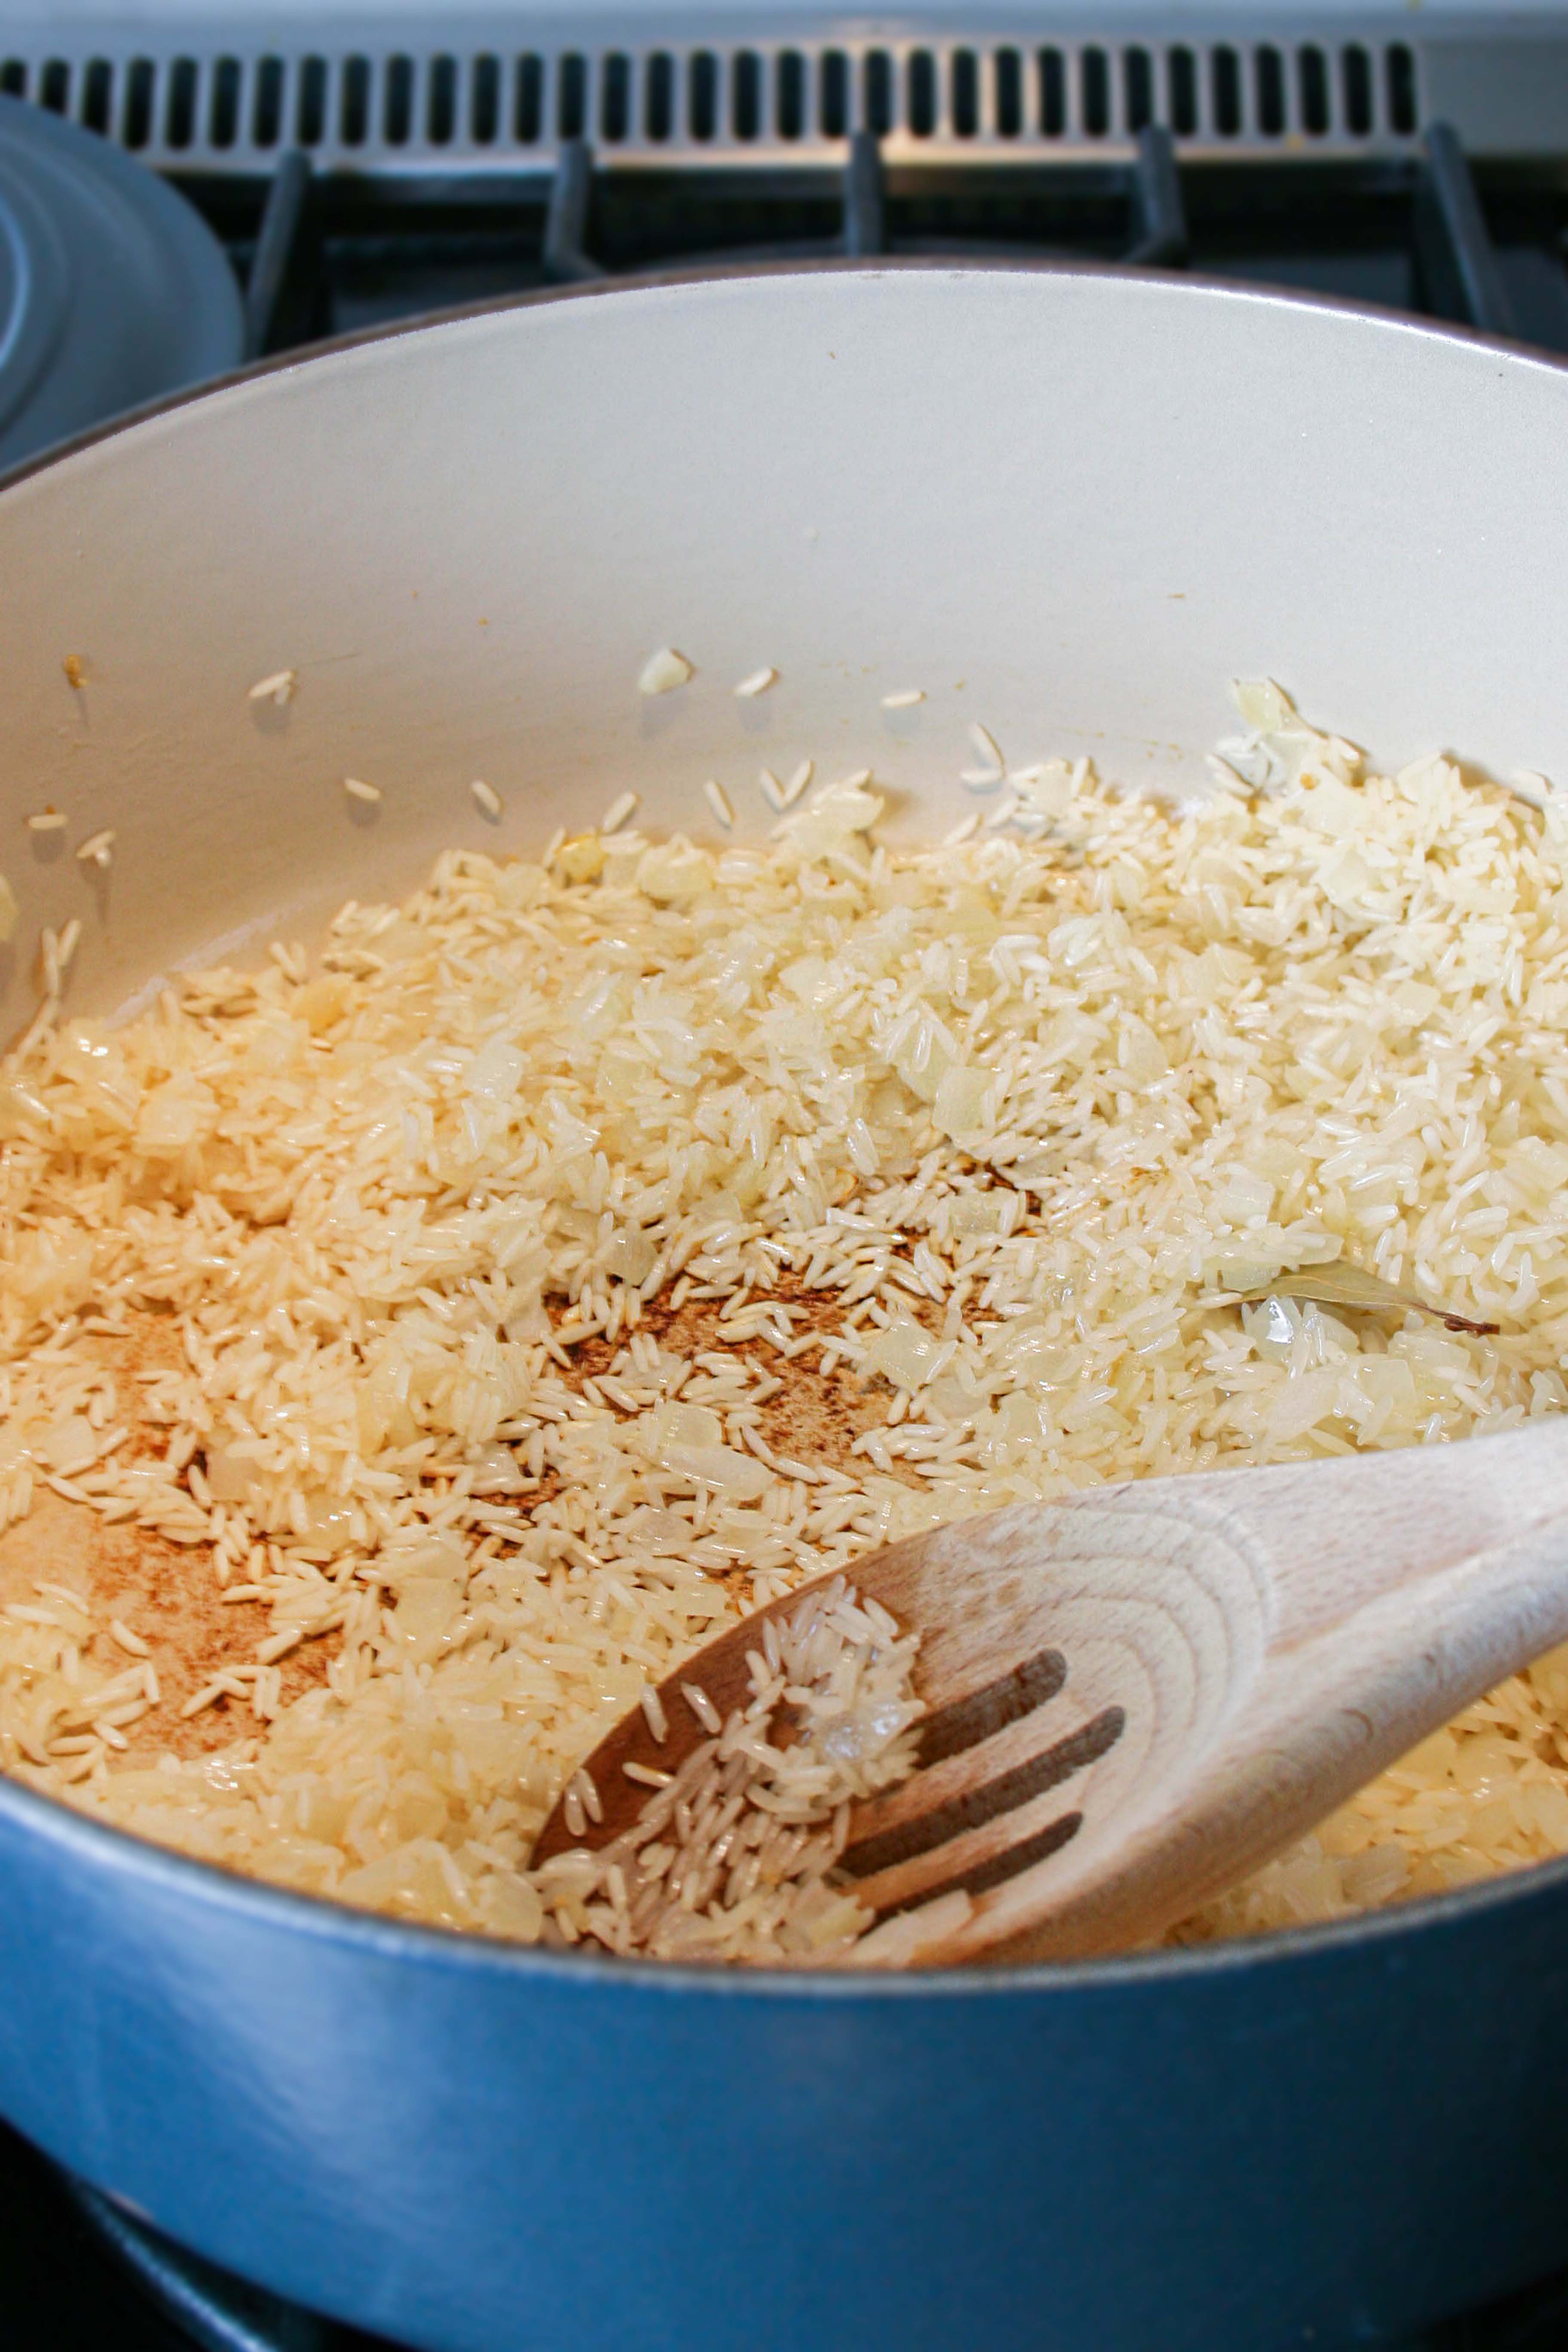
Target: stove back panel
376 90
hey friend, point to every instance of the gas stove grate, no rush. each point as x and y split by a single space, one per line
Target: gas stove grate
321 254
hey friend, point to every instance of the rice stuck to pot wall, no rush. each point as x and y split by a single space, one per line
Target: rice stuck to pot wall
407 1358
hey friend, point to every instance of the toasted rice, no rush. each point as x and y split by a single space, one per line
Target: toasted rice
586 1250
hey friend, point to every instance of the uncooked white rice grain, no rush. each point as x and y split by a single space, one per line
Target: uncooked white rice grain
98 848
773 791
358 790
796 783
616 815
47 821
1530 785
664 671
905 699
719 801
702 1706
280 688
489 799
986 745
757 683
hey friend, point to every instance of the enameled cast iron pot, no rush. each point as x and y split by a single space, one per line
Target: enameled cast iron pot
1070 505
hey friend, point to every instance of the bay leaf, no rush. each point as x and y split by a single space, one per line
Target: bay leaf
1343 1285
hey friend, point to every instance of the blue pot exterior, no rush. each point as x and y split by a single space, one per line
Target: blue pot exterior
1329 2138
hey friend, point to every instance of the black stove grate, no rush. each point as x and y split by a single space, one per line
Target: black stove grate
332 254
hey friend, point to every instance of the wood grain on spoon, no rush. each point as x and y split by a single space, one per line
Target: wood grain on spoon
1138 1694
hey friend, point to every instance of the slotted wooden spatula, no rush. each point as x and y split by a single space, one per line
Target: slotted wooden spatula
1137 1696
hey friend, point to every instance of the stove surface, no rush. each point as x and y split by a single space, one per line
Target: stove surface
68 2290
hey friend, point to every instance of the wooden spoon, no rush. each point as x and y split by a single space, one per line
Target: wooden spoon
1136 1696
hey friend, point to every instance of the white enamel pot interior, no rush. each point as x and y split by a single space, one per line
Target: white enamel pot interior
1067 505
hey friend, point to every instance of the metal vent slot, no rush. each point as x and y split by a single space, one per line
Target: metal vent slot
878 111
615 98
1312 76
223 112
528 113
746 95
441 102
1053 117
1094 93
266 103
180 109
572 96
1400 67
1137 89
1008 69
484 100
1182 91
920 94
964 97
452 109
789 95
141 90
354 101
1224 86
659 98
833 95
397 103
97 95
